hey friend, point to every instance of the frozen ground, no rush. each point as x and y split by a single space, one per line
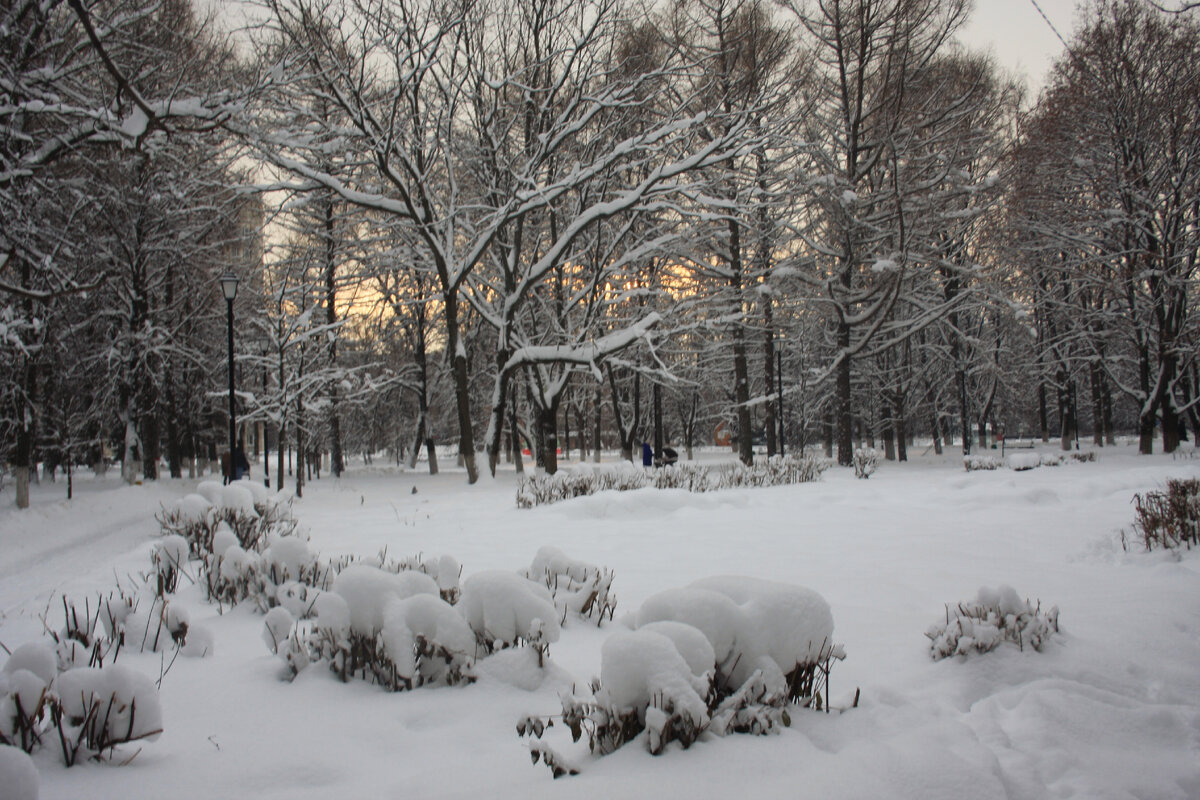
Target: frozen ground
1109 709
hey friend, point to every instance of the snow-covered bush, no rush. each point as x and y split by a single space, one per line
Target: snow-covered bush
996 616
170 557
1169 519
1020 462
795 629
97 709
973 463
773 471
585 479
392 628
86 709
505 609
705 658
866 460
18 775
445 570
578 588
23 683
231 574
252 512
692 477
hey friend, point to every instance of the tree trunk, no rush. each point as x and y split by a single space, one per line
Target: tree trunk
1096 378
1043 412
889 434
845 408
547 439
598 413
462 386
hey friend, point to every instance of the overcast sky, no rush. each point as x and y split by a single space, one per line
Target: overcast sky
1012 29
1017 35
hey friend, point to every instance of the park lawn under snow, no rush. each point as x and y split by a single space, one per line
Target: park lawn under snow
1110 708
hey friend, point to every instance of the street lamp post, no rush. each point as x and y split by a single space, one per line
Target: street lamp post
229 287
779 377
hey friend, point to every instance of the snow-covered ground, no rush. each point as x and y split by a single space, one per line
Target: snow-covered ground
1109 709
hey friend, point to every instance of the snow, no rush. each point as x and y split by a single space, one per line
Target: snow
642 667
795 624
506 607
1109 709
368 591
18 774
128 700
37 658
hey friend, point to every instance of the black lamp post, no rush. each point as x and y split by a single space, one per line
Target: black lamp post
779 377
229 287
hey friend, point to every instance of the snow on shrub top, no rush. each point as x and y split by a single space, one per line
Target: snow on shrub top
236 496
223 539
36 657
693 645
550 560
1004 598
26 688
433 619
192 507
642 668
333 615
18 775
134 711
236 563
1024 461
733 637
170 552
367 591
505 607
288 557
795 623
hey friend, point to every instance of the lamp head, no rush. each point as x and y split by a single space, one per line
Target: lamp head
229 285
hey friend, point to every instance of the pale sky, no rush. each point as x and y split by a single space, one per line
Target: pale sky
1018 37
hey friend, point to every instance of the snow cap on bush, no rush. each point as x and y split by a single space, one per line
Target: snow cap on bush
127 700
333 615
506 607
192 508
435 621
643 667
36 657
170 552
691 644
236 496
795 623
288 558
223 539
735 640
367 591
18 775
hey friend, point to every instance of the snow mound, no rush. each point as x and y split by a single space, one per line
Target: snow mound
505 608
643 668
235 497
38 658
18 775
368 590
427 628
996 616
795 623
114 704
691 644
735 640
